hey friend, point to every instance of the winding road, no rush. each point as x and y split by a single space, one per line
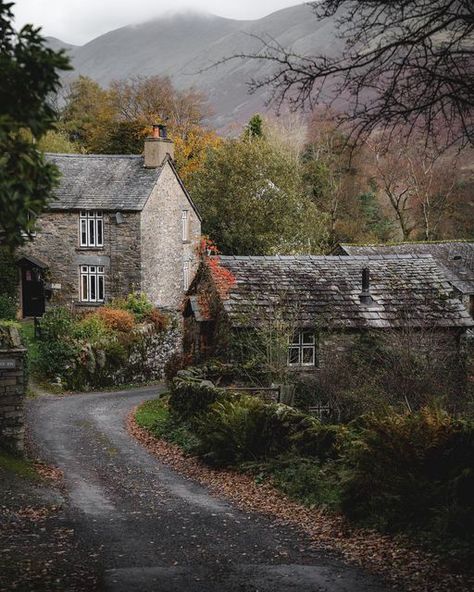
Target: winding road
154 530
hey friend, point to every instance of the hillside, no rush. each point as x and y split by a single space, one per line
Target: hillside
181 46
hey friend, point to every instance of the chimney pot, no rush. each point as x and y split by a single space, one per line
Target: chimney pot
157 147
163 132
364 296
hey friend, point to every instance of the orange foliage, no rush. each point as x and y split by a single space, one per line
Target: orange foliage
114 318
191 148
158 319
222 277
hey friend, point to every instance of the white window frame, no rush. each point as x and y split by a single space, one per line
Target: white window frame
186 275
185 225
92 283
91 228
303 342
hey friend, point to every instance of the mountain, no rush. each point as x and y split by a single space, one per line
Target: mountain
185 46
57 44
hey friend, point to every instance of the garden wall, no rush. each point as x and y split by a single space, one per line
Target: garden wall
12 389
148 359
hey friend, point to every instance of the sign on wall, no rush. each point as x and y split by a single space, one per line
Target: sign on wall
7 364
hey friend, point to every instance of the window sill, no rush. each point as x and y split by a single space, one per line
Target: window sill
89 304
90 248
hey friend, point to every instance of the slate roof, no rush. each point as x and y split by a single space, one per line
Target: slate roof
407 290
105 182
456 258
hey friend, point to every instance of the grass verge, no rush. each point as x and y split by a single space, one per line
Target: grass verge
154 416
21 467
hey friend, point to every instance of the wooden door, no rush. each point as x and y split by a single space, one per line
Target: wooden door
32 291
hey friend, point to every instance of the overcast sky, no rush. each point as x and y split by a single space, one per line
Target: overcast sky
79 21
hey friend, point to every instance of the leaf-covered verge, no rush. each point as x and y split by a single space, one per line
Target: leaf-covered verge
407 478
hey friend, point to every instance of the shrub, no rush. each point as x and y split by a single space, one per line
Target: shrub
7 307
321 441
305 393
230 432
91 328
56 357
244 429
413 472
57 349
56 323
136 303
307 480
190 398
158 319
116 319
178 361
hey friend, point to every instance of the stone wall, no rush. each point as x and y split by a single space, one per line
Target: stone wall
12 389
147 362
163 250
57 244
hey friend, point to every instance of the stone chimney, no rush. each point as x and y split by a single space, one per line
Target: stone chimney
364 296
157 146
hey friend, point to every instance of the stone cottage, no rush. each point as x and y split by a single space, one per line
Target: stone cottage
454 258
326 301
117 224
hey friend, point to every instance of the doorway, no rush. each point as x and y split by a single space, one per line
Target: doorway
32 288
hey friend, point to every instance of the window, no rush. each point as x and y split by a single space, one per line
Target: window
92 283
91 228
302 349
186 275
185 225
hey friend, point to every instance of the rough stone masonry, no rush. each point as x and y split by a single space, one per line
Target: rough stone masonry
12 389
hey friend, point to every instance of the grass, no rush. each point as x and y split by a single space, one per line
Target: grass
17 465
27 332
154 416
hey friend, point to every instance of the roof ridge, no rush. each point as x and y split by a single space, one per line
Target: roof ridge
399 243
76 155
342 258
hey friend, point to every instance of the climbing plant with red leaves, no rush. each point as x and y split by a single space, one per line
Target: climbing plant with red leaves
222 277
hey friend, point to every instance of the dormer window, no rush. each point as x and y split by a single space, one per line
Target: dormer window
91 228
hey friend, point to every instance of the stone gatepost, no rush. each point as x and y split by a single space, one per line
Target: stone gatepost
12 389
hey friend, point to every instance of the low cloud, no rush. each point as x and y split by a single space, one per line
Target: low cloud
79 21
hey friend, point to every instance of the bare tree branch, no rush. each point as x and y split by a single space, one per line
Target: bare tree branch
404 64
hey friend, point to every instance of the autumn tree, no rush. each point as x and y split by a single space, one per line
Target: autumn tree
89 115
418 183
29 73
57 140
252 201
335 180
118 119
396 64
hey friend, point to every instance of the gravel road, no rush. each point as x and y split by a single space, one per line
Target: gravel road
154 530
